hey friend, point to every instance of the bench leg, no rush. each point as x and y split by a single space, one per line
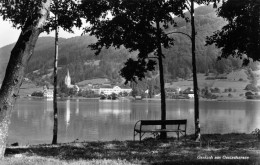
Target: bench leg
185 136
140 136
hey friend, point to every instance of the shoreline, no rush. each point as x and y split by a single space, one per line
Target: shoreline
224 99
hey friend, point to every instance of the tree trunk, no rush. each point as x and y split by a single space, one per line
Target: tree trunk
163 101
19 58
195 81
55 107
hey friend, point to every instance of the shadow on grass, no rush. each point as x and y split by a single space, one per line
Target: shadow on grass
152 151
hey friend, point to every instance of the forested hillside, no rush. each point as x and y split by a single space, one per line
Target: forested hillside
75 55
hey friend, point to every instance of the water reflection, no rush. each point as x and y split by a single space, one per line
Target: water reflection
32 120
115 108
77 106
67 118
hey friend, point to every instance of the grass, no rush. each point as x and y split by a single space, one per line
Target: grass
223 84
149 151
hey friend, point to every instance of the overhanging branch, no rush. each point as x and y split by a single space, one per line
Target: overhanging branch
179 33
152 57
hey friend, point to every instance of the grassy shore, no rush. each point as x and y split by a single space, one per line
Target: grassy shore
214 149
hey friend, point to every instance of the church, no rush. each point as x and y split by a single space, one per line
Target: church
68 82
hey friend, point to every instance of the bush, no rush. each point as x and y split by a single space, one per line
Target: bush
210 78
215 90
241 79
37 93
205 93
229 89
222 78
251 87
256 132
62 95
249 94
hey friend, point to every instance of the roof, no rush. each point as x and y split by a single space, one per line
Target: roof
93 81
106 86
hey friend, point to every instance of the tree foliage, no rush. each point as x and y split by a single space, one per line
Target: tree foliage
32 17
24 13
133 26
241 36
19 12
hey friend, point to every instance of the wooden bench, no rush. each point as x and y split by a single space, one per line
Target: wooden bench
143 127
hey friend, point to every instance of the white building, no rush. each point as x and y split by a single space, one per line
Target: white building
47 92
107 90
191 95
68 82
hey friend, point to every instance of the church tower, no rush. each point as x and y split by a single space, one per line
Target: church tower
68 80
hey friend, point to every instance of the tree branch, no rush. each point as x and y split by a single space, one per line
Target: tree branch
180 33
152 57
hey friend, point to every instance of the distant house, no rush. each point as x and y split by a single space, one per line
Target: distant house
108 90
191 95
92 62
87 87
47 92
189 92
157 96
95 90
175 90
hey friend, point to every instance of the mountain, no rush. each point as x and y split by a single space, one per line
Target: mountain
75 56
4 58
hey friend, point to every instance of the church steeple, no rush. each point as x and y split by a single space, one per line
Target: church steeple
68 79
68 73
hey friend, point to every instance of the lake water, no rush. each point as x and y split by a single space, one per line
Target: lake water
92 120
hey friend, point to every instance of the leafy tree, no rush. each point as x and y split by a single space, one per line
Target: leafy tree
189 5
139 26
223 66
241 36
66 16
193 52
32 18
29 16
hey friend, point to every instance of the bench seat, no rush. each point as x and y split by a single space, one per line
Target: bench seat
142 129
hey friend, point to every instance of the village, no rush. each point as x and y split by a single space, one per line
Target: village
234 85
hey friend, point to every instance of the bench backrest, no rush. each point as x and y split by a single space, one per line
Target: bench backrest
166 122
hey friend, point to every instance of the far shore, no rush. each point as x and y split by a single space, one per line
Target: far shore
224 99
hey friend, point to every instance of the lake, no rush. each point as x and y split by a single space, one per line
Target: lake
92 119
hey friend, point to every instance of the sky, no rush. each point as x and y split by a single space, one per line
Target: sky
9 34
